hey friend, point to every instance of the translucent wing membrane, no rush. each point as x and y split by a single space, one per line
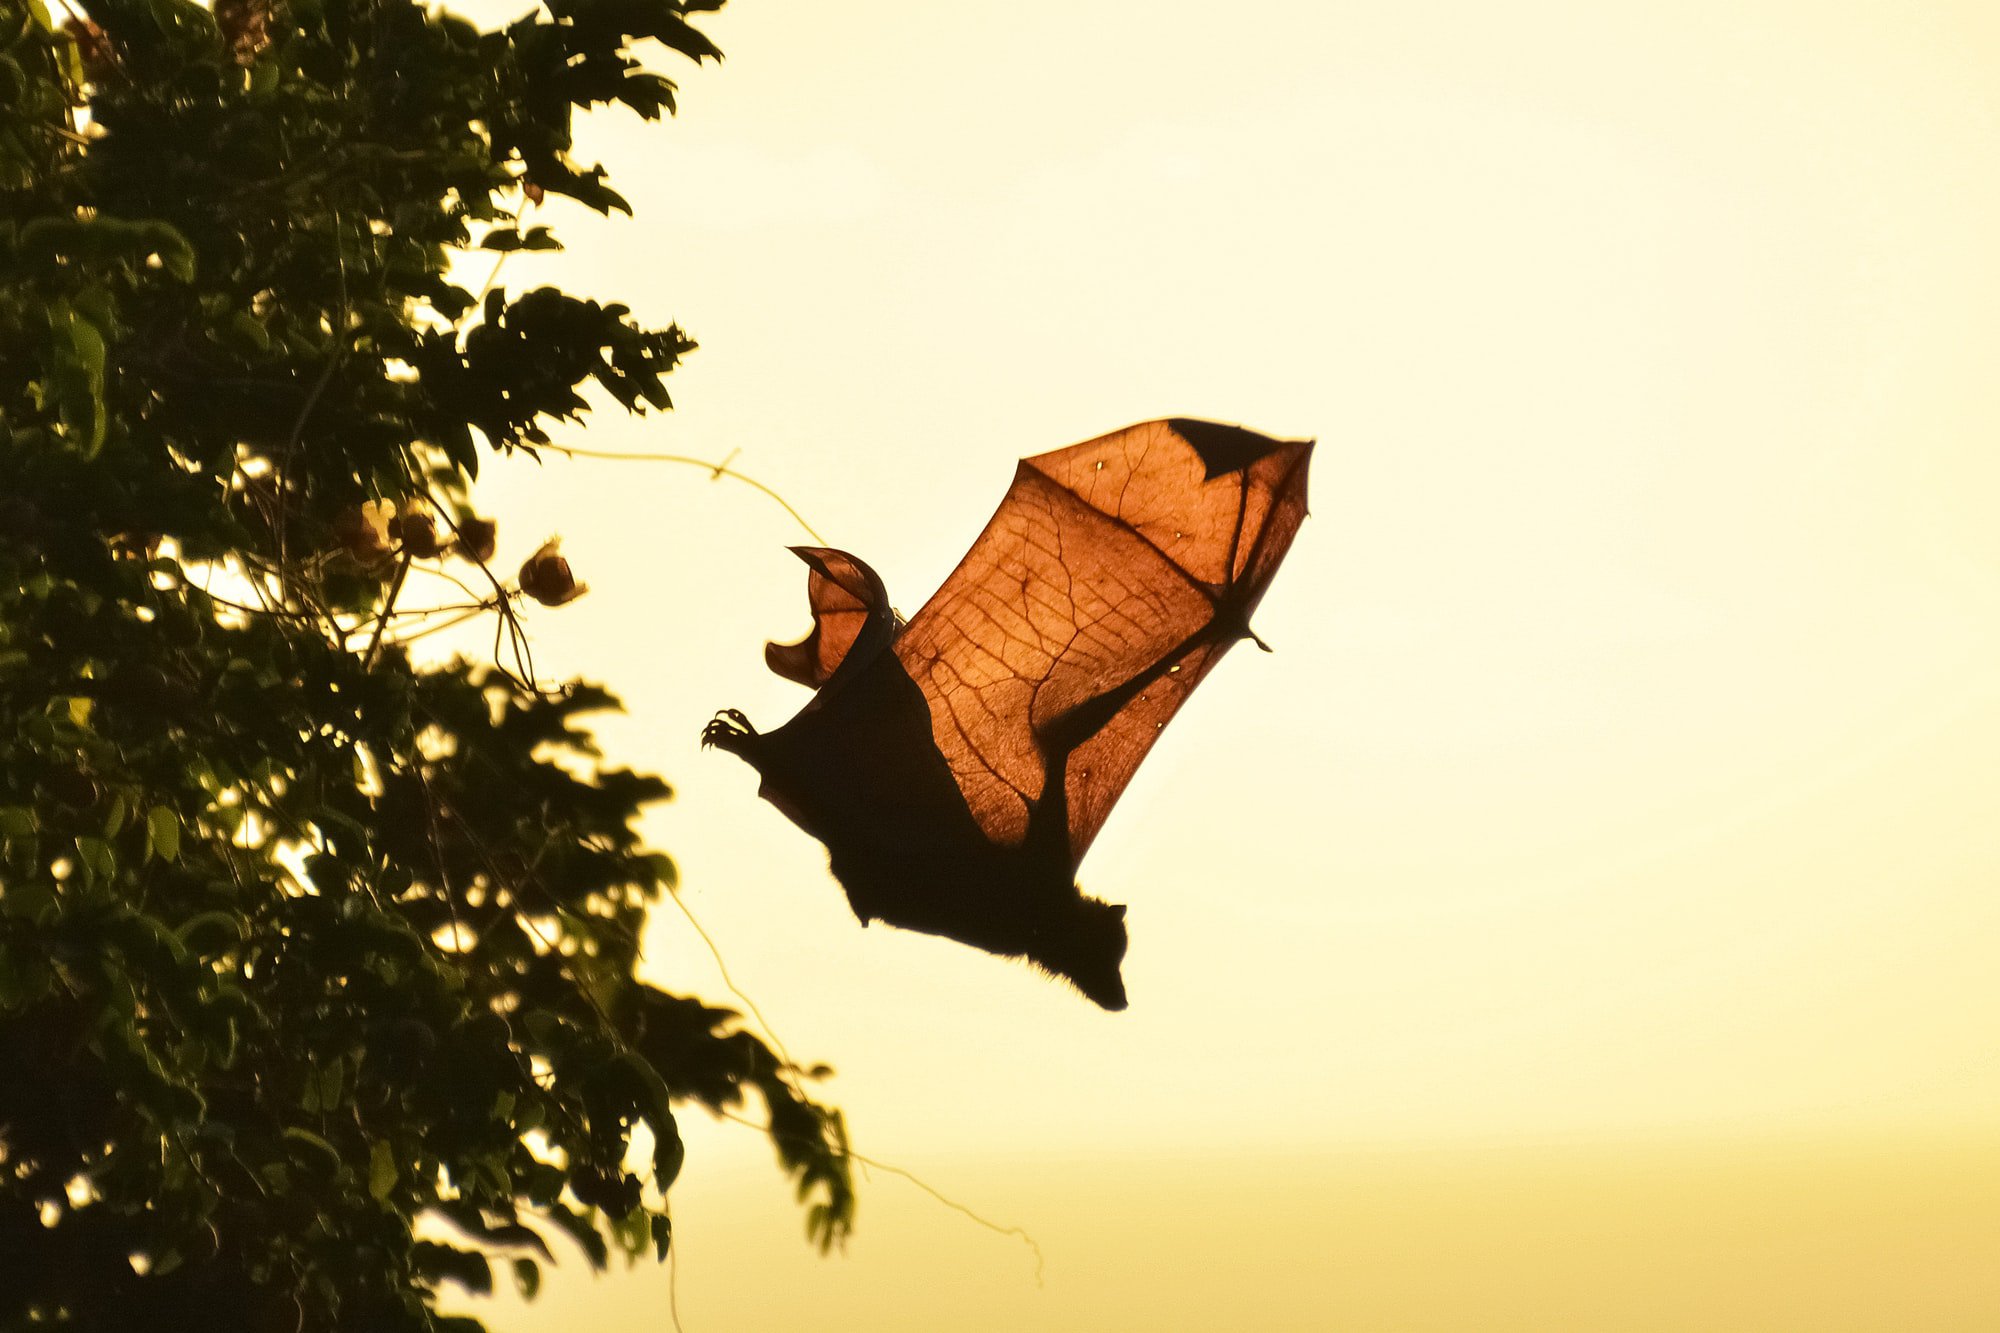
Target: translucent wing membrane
1094 594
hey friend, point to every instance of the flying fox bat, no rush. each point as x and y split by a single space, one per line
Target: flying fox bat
957 767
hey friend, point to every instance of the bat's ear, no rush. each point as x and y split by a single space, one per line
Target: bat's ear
1087 948
851 618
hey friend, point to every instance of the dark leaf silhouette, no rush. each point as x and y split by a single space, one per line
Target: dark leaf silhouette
306 943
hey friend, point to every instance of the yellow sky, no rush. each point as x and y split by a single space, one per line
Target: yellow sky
1625 772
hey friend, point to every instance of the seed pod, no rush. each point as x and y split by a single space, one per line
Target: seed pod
363 530
417 531
477 537
546 577
138 545
245 25
93 48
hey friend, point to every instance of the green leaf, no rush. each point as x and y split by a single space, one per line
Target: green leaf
79 376
315 1147
163 834
97 858
211 932
381 1170
583 1231
29 899
634 1232
83 342
669 1152
176 255
657 1101
332 1082
226 320
250 330
143 938
663 1234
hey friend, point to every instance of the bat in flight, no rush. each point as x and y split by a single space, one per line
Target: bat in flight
958 766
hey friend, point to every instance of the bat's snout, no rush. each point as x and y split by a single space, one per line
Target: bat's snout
1089 950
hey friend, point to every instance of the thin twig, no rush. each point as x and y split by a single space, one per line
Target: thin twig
459 619
333 360
673 1276
406 612
62 133
441 573
722 968
921 1184
460 937
493 274
716 471
382 621
253 610
509 623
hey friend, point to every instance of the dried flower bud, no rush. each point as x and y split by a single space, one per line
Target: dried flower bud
245 25
363 530
533 191
93 48
546 577
137 544
477 538
417 531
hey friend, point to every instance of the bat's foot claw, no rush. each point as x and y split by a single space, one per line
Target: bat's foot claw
727 730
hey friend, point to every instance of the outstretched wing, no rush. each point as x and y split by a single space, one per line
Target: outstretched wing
1111 579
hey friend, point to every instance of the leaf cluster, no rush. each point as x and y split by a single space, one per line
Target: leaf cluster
302 941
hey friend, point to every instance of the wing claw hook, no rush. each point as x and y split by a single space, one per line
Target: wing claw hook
727 729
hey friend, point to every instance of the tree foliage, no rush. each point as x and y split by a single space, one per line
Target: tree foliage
302 941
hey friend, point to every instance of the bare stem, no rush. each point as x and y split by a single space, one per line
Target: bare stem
716 472
388 608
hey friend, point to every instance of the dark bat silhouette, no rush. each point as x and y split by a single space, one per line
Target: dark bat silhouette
958 767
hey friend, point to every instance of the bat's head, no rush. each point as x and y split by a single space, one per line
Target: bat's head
1086 950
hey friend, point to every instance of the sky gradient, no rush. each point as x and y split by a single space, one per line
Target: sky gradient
1596 883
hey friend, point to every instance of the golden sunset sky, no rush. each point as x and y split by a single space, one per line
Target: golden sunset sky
1588 918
